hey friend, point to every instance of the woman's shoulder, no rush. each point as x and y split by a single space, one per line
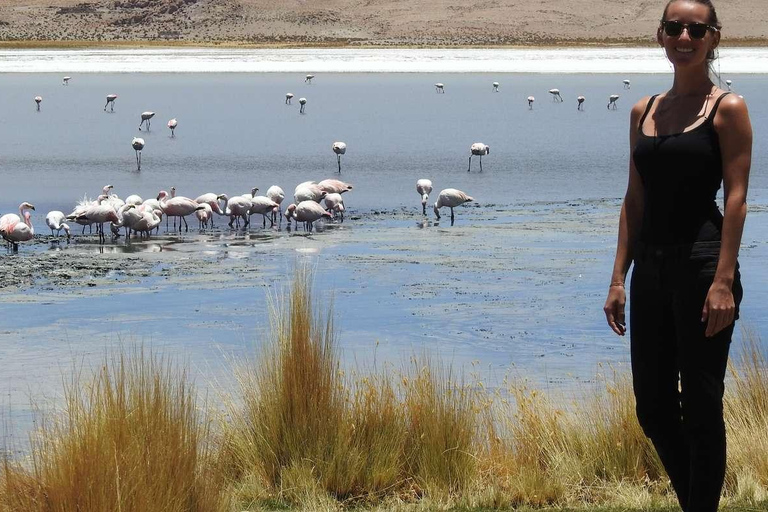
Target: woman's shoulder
639 108
732 109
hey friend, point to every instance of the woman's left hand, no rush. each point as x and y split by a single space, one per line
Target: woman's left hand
719 308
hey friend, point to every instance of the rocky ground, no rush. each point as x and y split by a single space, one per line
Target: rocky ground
357 22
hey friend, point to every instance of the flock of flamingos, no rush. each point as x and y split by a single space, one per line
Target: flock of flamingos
141 217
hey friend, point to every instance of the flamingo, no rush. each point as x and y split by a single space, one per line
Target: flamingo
13 230
145 117
337 186
110 102
288 97
334 203
580 100
55 220
531 99
302 102
38 100
308 191
289 214
729 82
237 207
134 199
309 78
263 205
212 200
149 220
172 125
127 216
65 80
478 149
277 195
308 212
97 213
612 100
451 198
138 144
177 206
440 88
204 215
495 86
339 148
556 95
627 84
424 188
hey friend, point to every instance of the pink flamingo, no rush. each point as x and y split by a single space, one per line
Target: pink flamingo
334 186
13 230
451 198
308 212
177 206
424 188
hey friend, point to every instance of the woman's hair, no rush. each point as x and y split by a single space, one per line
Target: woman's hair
712 19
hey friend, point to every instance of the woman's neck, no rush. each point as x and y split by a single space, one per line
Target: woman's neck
691 83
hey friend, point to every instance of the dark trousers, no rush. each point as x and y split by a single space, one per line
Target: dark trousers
678 373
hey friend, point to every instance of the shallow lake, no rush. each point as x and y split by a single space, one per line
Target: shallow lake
517 282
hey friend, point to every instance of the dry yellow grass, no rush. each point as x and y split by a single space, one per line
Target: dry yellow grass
130 440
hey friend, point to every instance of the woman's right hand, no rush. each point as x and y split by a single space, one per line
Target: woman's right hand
614 309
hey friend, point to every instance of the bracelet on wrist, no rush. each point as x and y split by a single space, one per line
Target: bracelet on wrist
621 285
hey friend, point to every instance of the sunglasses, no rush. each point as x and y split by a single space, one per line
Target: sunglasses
695 30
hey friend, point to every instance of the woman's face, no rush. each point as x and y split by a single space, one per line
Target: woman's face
683 50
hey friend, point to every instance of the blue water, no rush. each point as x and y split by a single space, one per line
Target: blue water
518 282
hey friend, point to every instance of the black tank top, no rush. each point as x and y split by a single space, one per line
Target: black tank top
681 174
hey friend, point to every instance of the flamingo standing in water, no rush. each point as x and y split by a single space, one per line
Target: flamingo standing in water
309 78
177 206
236 208
288 98
556 95
612 100
627 84
339 148
38 100
55 220
334 204
65 80
478 149
14 230
440 88
204 215
110 102
308 212
424 188
97 213
277 195
531 99
451 198
580 100
212 200
145 117
138 144
172 125
495 86
302 102
263 205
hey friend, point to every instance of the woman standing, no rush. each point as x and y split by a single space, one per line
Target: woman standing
685 288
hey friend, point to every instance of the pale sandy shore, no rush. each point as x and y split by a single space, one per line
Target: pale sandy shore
338 23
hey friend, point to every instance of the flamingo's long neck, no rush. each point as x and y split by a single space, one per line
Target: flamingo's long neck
28 222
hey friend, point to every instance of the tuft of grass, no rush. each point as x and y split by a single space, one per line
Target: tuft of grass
130 440
746 419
